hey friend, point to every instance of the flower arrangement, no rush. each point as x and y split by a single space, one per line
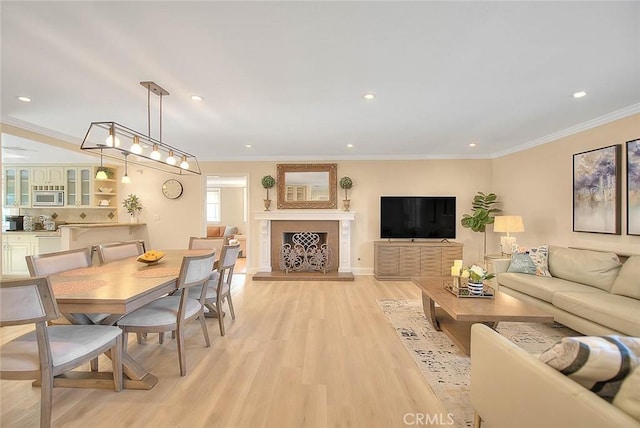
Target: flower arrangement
476 274
268 182
346 183
132 204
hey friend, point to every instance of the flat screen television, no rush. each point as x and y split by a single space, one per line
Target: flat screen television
412 217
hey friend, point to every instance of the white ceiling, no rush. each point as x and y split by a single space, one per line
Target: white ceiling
288 77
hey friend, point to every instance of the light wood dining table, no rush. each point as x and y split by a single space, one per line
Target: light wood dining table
116 289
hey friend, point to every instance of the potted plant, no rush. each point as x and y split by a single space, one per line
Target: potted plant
481 215
476 276
268 182
346 183
133 206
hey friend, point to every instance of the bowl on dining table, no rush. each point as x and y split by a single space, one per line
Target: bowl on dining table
151 257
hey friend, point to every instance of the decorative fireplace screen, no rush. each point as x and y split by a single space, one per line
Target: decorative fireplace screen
305 253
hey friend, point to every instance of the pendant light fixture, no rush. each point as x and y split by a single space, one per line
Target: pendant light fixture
125 178
107 136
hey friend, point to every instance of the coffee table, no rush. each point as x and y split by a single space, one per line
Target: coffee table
455 315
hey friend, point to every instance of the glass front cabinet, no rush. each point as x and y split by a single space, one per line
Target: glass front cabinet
17 187
79 183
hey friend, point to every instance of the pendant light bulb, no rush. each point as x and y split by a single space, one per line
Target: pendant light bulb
101 175
136 148
112 140
155 154
125 179
170 159
184 164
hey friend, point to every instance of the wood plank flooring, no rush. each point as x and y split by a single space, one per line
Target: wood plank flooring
299 354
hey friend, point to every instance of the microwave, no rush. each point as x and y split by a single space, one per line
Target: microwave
47 198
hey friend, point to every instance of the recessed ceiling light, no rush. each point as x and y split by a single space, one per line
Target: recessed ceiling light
25 99
579 94
369 96
349 145
248 146
196 98
472 144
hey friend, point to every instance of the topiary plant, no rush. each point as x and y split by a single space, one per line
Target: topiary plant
268 182
346 183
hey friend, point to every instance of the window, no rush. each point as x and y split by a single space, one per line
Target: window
213 204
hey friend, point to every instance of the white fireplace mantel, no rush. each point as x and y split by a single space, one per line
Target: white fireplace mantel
266 217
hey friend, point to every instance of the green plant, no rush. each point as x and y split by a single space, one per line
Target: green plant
477 274
268 182
346 183
482 212
132 204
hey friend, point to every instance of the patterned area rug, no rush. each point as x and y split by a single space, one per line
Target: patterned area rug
445 367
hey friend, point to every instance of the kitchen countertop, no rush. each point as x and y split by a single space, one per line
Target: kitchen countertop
32 232
98 225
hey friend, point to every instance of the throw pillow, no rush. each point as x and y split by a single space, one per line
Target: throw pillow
522 263
597 363
627 282
628 397
539 255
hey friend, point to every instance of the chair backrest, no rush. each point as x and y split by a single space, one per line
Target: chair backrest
216 244
227 263
27 301
119 250
195 270
60 261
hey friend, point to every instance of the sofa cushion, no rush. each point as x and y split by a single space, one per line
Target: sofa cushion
628 281
522 263
539 256
215 231
229 231
628 397
594 268
597 363
542 287
616 312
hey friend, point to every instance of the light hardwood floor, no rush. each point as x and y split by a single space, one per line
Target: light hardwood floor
299 354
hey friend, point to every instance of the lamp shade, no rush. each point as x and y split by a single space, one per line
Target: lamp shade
508 224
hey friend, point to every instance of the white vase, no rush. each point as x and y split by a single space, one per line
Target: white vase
134 218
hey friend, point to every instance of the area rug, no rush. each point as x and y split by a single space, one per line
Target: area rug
445 367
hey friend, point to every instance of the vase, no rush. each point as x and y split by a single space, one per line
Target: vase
134 218
346 204
267 204
475 288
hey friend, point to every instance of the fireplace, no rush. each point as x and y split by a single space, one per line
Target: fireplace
305 252
336 225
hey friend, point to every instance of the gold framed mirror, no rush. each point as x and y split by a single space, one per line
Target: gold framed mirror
307 186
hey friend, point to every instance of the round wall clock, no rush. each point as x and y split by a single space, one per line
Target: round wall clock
172 189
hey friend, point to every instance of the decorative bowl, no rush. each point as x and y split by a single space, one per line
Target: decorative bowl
105 189
150 257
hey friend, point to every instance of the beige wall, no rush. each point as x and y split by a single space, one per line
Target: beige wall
537 184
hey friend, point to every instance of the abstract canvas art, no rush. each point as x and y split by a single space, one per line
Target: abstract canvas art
633 187
596 190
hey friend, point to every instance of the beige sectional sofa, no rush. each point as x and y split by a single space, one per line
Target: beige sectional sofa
592 292
512 388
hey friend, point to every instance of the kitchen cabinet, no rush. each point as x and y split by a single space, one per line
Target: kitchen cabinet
79 185
17 186
47 178
15 248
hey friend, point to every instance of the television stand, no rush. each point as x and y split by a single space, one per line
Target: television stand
406 260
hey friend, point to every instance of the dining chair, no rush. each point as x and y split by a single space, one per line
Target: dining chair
208 243
49 350
218 288
119 250
170 313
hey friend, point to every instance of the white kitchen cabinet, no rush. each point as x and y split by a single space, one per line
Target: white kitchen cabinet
79 186
17 186
16 247
48 178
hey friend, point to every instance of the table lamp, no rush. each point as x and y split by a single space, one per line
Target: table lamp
508 224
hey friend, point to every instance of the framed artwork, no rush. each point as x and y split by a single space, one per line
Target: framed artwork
596 190
633 187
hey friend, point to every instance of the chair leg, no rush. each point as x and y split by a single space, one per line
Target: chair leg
161 338
116 362
220 317
233 314
125 339
94 365
477 420
139 336
181 356
46 398
203 324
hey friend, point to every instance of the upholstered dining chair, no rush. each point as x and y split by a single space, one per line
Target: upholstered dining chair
216 243
170 313
218 288
119 250
49 350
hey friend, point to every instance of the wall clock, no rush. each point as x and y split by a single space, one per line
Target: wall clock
172 189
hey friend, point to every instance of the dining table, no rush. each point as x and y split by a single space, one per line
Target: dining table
110 291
